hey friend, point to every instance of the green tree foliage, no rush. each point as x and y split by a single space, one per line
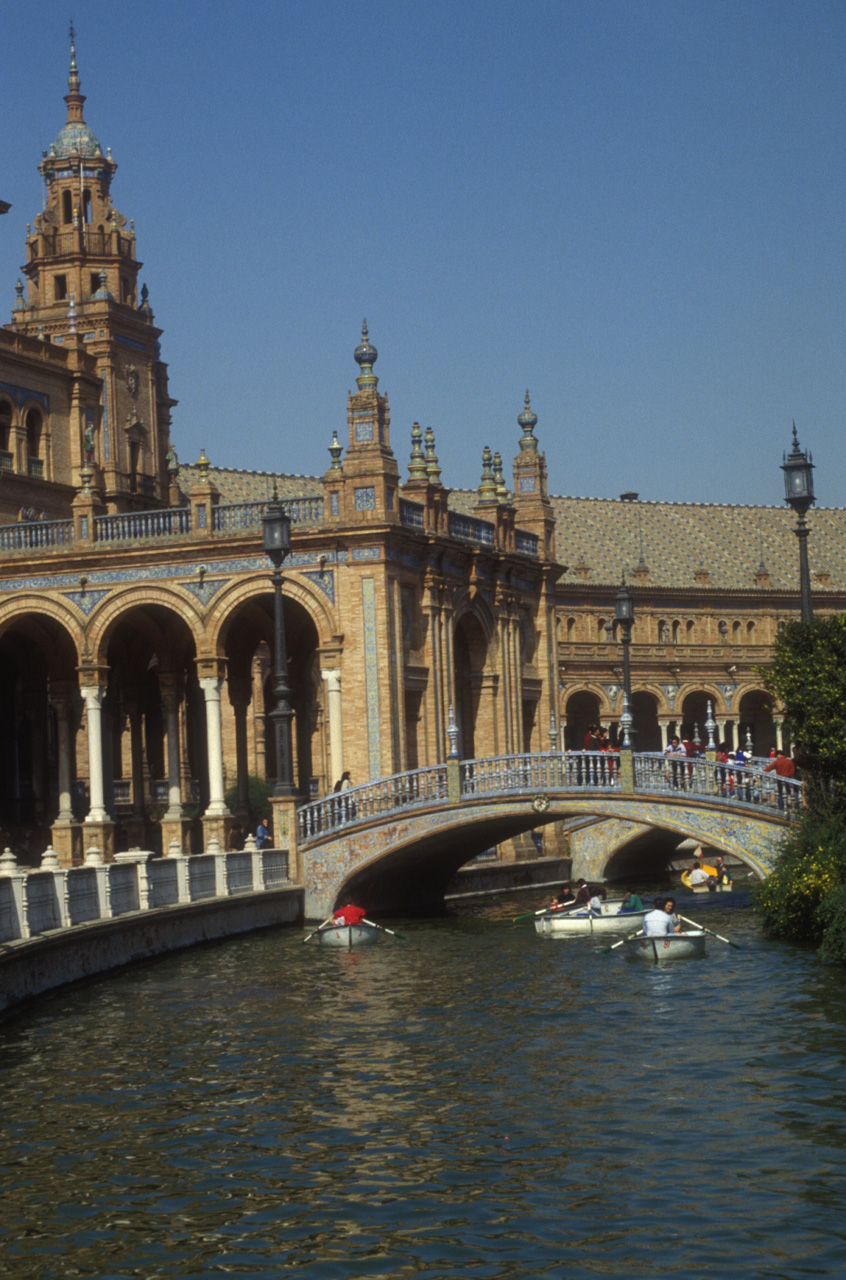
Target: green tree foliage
259 793
804 900
808 676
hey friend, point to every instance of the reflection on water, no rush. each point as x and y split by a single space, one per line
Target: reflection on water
476 1100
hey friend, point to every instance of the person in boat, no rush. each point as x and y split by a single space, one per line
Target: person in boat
633 903
350 914
563 899
659 922
584 893
697 875
723 876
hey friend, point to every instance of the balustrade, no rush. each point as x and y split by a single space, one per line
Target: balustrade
130 526
34 902
27 536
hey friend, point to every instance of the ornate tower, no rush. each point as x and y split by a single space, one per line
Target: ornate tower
370 469
82 277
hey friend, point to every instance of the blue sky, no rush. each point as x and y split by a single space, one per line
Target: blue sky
636 210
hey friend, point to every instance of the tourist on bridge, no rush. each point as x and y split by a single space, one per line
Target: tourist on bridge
632 903
262 833
783 767
675 753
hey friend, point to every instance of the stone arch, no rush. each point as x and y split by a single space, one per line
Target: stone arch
583 707
241 630
108 615
755 717
477 605
474 688
38 685
645 711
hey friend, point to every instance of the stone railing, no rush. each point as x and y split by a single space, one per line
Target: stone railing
418 787
29 536
52 897
553 775
237 517
168 522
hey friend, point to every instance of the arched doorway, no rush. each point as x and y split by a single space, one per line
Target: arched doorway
755 720
39 709
582 711
473 711
645 718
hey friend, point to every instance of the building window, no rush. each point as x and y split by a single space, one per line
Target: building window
67 206
86 206
60 288
5 424
95 282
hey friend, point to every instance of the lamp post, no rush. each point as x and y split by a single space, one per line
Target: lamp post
799 494
624 609
276 533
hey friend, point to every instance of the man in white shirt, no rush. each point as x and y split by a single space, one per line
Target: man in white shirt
658 922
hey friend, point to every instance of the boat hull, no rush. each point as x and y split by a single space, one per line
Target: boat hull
347 935
674 946
571 924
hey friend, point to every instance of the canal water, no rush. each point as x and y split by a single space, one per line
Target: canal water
473 1100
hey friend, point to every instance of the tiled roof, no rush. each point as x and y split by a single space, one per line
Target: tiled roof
603 537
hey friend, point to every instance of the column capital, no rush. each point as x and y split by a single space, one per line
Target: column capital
92 675
332 678
209 668
171 687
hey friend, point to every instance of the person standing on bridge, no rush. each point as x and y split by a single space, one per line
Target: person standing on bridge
262 833
783 767
675 753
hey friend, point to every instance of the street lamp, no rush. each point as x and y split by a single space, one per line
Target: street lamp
624 609
276 534
799 494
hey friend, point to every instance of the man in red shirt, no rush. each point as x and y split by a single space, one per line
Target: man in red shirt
784 768
348 915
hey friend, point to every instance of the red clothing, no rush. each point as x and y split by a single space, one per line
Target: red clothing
784 767
348 915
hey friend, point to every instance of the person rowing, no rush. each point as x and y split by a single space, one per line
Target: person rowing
661 921
632 903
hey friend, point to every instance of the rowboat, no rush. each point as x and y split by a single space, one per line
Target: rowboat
580 924
675 946
699 888
347 935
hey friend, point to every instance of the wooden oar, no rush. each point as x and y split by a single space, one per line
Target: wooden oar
384 929
637 934
529 915
736 945
315 932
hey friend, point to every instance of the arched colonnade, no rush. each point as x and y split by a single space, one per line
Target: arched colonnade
741 713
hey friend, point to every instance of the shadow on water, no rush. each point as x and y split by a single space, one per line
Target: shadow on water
476 1100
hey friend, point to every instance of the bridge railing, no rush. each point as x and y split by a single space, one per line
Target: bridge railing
740 784
416 788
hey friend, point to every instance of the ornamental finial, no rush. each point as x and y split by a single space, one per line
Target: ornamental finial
528 421
365 356
73 73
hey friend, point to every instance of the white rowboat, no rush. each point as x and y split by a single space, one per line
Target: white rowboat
673 946
347 935
581 924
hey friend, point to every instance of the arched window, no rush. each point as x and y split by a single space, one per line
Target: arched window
86 206
691 631
750 631
571 629
5 427
600 631
67 207
663 632
676 629
34 423
735 633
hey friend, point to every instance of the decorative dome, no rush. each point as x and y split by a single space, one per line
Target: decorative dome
365 353
76 139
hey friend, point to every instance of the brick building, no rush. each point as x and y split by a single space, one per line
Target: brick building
136 601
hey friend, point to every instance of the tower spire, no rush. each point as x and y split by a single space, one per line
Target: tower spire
74 98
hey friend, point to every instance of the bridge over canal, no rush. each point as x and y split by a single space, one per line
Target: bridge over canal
398 841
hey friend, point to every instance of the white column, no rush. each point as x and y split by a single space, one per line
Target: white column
174 788
336 732
779 729
211 687
93 696
65 813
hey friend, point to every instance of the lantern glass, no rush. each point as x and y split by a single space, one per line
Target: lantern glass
624 605
276 532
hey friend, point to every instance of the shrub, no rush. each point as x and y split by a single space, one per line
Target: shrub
258 800
810 868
